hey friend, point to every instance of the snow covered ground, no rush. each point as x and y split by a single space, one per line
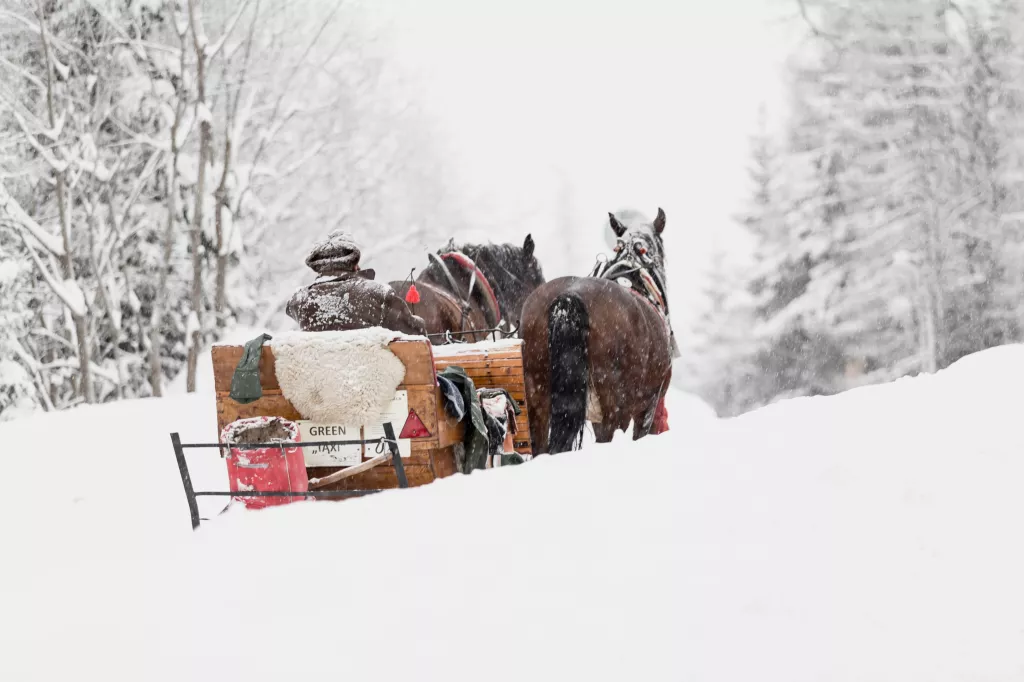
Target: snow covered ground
875 535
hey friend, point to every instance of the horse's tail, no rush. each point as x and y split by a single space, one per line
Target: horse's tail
568 338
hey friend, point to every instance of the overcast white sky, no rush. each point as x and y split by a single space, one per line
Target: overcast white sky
641 103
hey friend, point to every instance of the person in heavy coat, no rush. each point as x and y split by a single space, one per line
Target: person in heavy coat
346 297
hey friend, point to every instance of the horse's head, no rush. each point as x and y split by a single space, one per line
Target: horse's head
639 239
512 271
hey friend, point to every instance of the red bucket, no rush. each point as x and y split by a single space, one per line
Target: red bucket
267 469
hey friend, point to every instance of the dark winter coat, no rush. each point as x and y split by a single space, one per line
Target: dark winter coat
352 300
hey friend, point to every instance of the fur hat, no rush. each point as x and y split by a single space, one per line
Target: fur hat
335 255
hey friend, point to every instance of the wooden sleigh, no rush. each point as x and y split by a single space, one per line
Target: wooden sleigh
425 458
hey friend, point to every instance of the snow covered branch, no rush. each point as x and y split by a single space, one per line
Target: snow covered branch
67 290
22 221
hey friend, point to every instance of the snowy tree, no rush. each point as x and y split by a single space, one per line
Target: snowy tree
890 239
164 164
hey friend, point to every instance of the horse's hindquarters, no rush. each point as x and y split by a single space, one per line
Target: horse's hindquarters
628 354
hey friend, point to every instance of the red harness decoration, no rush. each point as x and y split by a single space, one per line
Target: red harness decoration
412 296
467 264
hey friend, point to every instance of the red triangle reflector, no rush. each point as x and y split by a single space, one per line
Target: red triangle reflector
414 428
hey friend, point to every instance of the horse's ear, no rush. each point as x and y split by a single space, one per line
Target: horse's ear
617 227
528 246
659 222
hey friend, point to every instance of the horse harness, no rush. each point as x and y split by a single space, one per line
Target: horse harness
476 274
634 260
625 264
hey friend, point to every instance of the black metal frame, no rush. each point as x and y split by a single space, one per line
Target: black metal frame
192 494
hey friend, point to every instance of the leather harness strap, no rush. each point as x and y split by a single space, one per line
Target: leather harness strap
467 263
447 275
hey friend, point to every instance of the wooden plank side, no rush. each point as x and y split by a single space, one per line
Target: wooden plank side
485 382
424 401
471 362
272 404
418 361
496 373
444 462
225 360
415 355
449 431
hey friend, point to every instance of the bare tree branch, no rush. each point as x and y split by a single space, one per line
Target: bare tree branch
211 52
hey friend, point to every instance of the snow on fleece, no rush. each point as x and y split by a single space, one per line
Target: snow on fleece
869 536
343 377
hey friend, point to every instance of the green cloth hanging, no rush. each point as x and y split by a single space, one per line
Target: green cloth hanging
245 383
475 440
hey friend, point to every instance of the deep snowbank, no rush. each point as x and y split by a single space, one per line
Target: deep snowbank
874 535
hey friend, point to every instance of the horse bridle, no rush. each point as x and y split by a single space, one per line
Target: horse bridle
632 257
465 303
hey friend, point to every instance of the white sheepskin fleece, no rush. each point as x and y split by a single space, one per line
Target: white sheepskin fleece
344 377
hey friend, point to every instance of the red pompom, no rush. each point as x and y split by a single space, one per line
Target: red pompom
412 297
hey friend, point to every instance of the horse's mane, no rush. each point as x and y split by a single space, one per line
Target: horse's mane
500 263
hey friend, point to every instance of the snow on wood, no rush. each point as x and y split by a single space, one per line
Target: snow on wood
455 349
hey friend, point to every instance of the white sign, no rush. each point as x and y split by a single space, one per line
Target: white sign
349 455
330 455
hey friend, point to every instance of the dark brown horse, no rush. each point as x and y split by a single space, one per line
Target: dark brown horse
599 349
474 286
